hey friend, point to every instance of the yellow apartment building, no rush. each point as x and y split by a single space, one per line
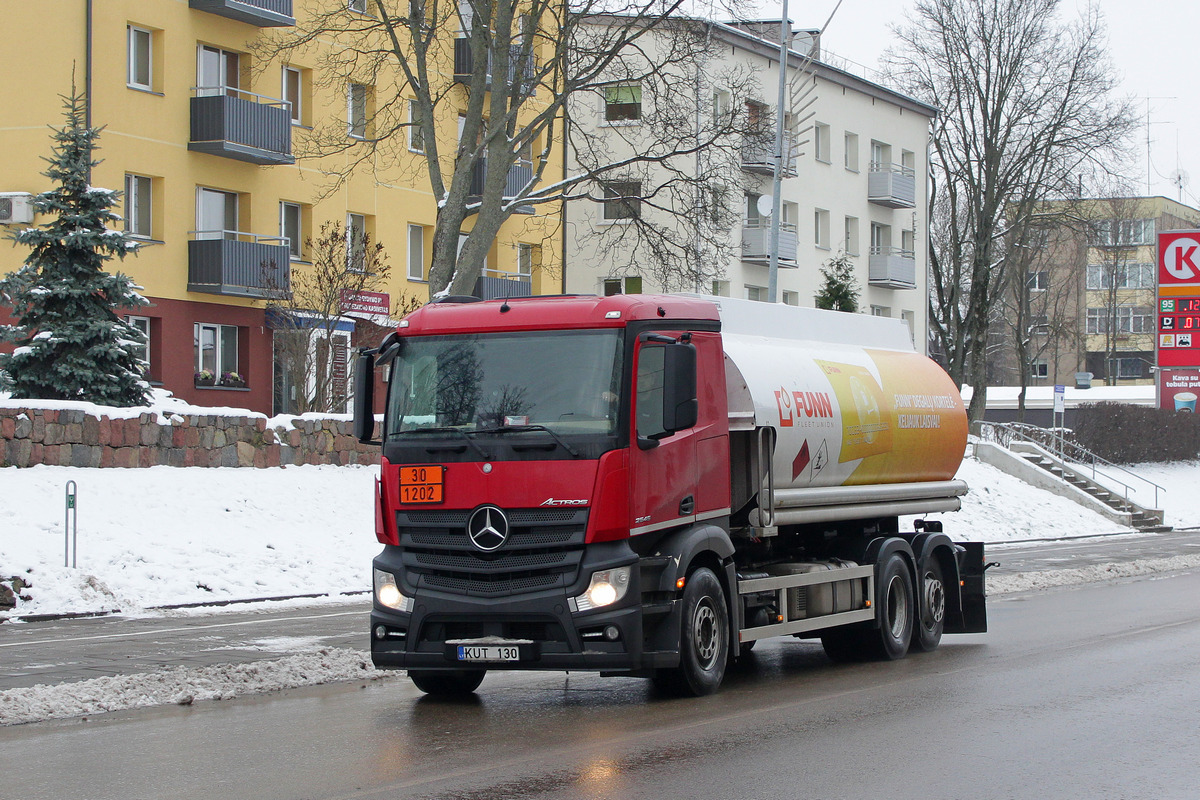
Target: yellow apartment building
208 145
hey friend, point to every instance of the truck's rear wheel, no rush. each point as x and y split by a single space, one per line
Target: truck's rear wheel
891 638
450 683
932 608
704 638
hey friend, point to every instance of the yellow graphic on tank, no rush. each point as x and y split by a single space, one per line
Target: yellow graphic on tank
867 417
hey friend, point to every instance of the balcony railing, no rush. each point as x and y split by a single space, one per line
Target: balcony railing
238 264
241 125
519 176
892 268
464 64
497 285
756 243
759 156
892 185
261 13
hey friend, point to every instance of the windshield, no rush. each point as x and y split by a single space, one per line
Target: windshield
566 381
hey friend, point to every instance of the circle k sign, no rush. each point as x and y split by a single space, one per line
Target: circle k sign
1179 257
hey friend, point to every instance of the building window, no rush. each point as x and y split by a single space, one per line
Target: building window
141 351
791 298
756 293
623 103
1123 232
138 206
622 200
1038 281
881 239
908 244
356 242
881 157
720 288
218 72
293 92
358 5
356 110
291 217
416 135
851 157
629 285
527 256
881 311
851 234
821 228
216 214
1130 368
1128 319
1121 276
140 74
1039 369
216 349
416 253
821 142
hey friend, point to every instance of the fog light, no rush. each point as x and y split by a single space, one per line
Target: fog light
612 633
606 587
380 632
388 594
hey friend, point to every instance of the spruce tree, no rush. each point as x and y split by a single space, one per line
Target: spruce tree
71 342
839 291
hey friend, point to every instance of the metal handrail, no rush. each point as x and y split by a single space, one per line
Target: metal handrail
237 236
888 250
895 169
230 91
1003 432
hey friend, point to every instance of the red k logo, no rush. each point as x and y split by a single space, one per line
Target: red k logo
1180 259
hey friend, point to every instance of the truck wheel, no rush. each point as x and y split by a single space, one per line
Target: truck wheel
933 608
704 639
450 683
895 611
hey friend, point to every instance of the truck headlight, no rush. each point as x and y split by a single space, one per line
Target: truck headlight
606 587
387 593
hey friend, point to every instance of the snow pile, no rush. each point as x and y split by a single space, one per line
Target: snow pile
1030 581
184 686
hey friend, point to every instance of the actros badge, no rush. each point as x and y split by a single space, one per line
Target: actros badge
487 528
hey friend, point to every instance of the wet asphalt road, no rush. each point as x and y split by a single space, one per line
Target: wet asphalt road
1083 692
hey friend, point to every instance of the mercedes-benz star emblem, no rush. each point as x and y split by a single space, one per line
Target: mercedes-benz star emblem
487 528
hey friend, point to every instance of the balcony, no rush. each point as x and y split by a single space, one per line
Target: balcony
237 264
241 125
519 176
496 285
892 185
758 156
756 243
260 13
464 64
892 268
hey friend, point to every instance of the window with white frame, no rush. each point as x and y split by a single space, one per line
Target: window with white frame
291 217
416 252
527 256
756 293
850 241
720 107
631 284
720 288
622 200
881 156
140 69
623 102
356 110
416 134
216 214
141 351
138 206
851 155
293 93
1127 319
791 298
908 244
216 348
1121 276
821 228
356 242
1039 369
1038 280
1131 367
881 239
821 142
881 311
1123 232
218 72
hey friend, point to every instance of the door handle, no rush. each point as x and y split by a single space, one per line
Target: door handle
687 505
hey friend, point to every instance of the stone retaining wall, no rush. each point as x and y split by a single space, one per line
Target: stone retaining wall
68 437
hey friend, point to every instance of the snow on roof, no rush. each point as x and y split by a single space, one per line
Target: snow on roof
1005 397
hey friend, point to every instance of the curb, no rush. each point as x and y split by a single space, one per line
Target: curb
176 606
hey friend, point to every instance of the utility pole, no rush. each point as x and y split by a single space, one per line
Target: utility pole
785 36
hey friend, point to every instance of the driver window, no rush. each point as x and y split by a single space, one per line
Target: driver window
651 362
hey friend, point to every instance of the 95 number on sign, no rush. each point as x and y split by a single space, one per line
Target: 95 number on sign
422 484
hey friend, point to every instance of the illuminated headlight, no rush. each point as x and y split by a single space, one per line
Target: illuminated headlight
388 594
607 587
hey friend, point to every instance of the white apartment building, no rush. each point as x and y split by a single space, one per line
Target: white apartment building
855 182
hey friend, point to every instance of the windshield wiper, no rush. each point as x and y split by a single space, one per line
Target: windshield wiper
457 432
525 428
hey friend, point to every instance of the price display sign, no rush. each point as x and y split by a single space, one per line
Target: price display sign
1178 333
422 484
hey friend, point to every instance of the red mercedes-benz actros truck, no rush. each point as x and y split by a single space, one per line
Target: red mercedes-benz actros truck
647 485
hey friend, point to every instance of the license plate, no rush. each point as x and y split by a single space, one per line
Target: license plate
502 653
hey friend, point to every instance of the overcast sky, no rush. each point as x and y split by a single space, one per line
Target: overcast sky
1152 45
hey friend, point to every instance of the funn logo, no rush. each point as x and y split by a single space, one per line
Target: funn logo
794 405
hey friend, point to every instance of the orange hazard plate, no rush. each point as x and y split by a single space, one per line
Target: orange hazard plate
422 484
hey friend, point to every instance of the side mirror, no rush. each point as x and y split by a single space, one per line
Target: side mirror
681 407
364 398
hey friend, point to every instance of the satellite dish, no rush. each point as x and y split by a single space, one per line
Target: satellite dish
766 204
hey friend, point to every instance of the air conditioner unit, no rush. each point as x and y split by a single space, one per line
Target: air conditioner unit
16 208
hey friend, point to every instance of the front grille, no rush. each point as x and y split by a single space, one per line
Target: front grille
441 629
543 551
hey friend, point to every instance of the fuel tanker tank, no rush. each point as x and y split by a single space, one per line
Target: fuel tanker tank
849 419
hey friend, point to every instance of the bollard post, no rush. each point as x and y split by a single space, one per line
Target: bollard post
71 527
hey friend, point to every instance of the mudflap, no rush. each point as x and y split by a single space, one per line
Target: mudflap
971 568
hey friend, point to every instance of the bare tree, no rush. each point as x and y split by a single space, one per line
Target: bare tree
502 75
1025 104
311 316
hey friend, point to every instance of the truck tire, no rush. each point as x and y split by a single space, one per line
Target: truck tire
889 640
452 683
932 617
704 639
